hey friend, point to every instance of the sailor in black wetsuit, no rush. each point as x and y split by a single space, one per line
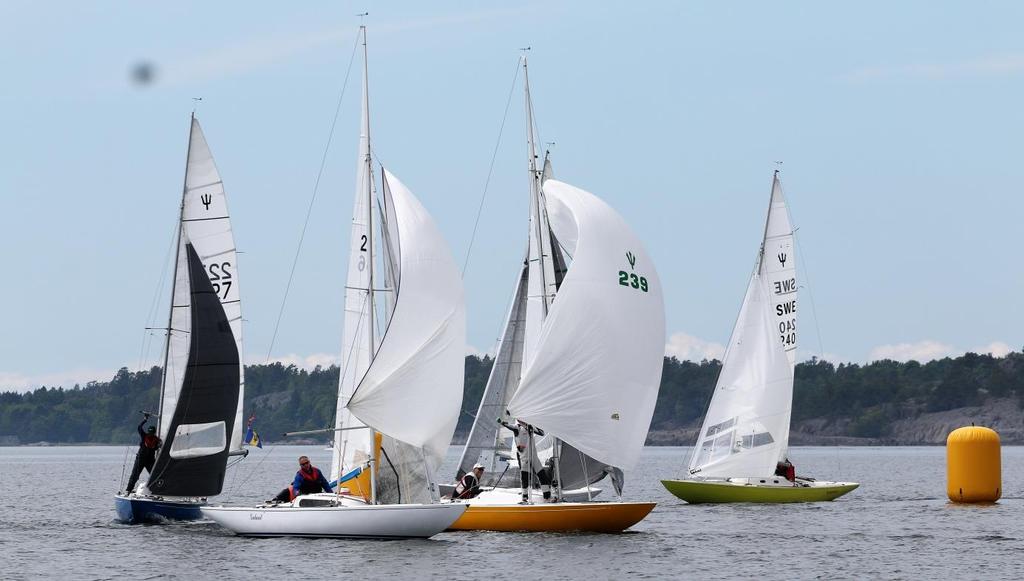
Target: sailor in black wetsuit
146 456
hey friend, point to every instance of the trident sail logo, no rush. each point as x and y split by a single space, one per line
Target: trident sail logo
632 260
206 199
782 259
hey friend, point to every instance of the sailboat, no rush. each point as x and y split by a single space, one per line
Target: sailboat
580 358
201 394
745 434
400 390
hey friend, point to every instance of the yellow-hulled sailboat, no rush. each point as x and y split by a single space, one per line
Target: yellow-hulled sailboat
583 369
740 455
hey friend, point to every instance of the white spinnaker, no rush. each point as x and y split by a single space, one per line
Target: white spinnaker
352 447
206 224
594 380
413 389
746 429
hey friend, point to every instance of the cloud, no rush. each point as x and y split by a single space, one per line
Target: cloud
19 382
992 65
243 57
928 350
301 361
995 348
687 347
920 351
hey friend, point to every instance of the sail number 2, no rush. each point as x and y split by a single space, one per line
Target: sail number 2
632 280
220 277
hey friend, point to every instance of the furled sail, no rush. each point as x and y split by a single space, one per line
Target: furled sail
597 394
412 391
205 226
195 449
746 429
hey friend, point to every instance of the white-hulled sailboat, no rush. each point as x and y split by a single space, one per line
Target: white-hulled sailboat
745 435
580 358
200 418
399 393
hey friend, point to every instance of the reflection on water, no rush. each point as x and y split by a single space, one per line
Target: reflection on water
57 516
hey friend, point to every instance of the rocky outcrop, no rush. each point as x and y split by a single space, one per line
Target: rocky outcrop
920 428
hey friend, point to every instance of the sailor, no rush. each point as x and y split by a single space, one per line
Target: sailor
149 443
786 469
469 484
529 462
308 480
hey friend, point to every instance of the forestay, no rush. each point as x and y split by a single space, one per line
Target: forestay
594 379
746 429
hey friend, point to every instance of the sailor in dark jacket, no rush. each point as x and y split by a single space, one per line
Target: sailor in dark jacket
149 443
308 480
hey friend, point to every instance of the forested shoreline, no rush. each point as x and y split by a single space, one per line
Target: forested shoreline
883 402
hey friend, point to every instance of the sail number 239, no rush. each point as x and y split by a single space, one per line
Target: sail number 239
632 280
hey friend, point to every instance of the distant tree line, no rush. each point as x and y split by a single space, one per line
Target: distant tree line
286 398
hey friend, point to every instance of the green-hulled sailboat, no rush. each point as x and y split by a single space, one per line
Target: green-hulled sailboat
740 454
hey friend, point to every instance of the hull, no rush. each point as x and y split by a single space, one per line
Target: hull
698 492
143 509
513 495
386 521
597 517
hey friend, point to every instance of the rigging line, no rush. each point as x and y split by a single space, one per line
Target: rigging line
248 476
490 170
810 295
312 200
151 315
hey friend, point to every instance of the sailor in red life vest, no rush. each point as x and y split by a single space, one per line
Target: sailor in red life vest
146 456
469 484
786 470
308 480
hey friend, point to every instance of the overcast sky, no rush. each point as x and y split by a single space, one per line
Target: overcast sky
899 124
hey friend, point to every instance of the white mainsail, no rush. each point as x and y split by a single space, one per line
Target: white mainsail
205 224
594 379
353 447
746 430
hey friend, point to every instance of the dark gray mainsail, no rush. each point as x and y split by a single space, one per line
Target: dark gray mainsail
194 455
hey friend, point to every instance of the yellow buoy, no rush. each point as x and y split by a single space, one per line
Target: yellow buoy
973 470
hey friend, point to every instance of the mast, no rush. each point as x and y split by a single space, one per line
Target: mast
174 279
767 219
540 246
371 335
536 198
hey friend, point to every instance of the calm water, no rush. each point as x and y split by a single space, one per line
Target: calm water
57 521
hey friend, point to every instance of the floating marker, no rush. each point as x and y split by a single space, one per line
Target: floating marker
973 465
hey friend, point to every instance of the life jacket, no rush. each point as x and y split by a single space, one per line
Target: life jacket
151 442
310 482
466 486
